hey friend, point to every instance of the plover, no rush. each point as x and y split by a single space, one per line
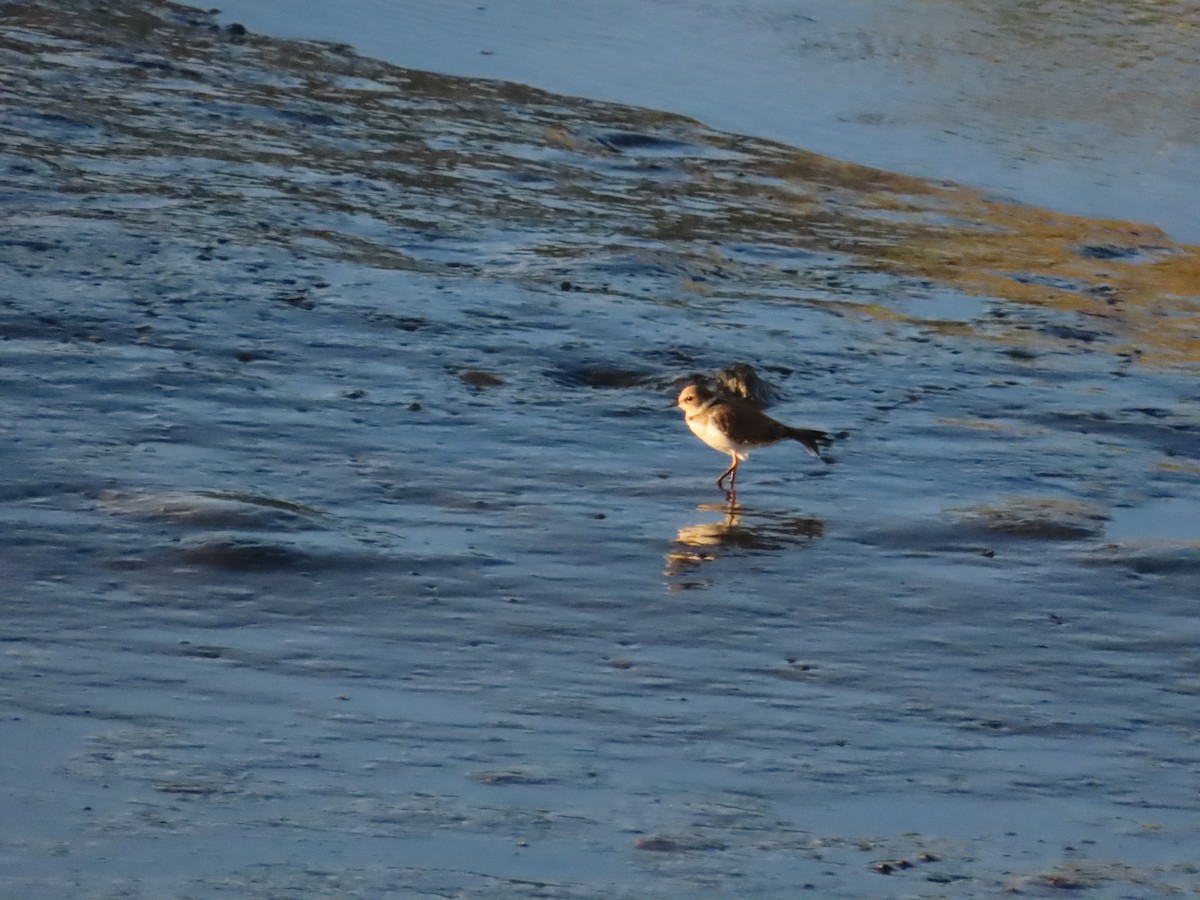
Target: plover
736 427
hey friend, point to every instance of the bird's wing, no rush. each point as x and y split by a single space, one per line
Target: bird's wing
750 425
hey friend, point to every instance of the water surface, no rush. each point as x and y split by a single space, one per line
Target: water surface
1082 108
352 545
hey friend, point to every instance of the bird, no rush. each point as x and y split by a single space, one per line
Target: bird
736 426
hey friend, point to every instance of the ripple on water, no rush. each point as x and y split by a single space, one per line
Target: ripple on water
338 497
1037 518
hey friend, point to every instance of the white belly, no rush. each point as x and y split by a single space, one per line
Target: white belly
703 428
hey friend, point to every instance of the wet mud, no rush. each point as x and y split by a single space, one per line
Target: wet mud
353 545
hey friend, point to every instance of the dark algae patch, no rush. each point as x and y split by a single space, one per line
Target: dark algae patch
353 546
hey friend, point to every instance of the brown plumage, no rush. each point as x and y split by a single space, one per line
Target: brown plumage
734 426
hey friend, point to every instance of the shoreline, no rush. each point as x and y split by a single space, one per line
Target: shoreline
1047 108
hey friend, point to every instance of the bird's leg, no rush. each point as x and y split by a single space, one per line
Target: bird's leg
731 474
727 473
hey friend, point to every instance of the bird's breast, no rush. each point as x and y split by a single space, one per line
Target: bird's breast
703 427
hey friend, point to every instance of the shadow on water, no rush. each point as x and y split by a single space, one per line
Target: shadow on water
736 530
338 476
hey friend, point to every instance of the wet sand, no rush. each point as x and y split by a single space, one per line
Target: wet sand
353 547
1088 109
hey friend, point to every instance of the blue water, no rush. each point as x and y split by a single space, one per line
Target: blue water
1030 104
353 547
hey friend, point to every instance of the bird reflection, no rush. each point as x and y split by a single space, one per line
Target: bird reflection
738 530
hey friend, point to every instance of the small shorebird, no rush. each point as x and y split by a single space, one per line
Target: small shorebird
736 427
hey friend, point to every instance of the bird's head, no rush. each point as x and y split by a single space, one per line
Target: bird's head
693 398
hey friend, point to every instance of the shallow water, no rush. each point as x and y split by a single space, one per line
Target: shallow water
353 546
1082 108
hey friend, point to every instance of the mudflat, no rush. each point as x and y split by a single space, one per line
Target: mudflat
353 546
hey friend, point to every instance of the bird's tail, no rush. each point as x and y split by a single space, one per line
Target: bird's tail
814 441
